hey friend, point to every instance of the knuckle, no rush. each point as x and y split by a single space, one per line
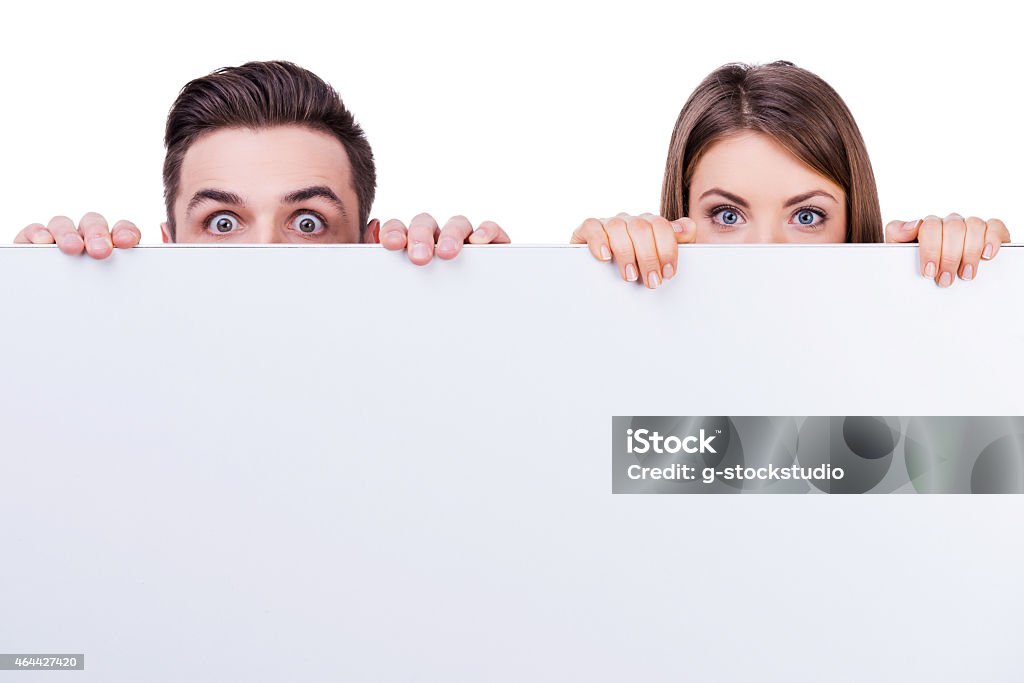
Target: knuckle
622 253
637 226
649 262
617 224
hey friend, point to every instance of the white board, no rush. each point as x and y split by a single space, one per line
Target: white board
277 463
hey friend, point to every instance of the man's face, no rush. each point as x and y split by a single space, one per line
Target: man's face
273 185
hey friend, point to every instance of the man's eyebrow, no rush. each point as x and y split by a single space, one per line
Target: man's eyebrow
807 195
213 195
316 191
728 195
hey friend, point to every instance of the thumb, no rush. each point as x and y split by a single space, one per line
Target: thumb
902 231
685 230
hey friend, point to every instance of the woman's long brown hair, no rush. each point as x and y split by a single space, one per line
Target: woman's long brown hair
793 106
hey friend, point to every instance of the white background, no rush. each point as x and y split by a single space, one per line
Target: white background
535 114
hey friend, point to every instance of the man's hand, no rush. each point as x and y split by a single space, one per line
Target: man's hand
645 247
950 246
423 238
91 234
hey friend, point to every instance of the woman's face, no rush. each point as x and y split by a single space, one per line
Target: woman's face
749 188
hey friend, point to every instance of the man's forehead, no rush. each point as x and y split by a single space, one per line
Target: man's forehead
273 160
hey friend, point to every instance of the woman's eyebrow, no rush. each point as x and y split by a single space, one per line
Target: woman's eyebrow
807 195
322 191
728 195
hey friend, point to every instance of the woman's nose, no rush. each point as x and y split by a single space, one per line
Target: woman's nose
768 233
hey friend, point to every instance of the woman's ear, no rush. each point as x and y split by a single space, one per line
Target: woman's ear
372 233
165 232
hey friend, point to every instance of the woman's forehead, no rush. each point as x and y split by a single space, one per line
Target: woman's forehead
756 166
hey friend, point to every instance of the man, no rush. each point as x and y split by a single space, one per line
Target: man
266 153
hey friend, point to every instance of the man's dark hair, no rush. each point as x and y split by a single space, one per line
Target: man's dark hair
257 95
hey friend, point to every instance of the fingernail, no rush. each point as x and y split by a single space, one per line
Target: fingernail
968 272
446 244
677 228
956 215
988 251
946 279
40 238
394 234
653 279
909 225
929 269
631 272
606 255
669 271
70 241
98 243
420 251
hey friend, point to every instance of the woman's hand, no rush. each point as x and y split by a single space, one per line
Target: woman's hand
645 247
951 246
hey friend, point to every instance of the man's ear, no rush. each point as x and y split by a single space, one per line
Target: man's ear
165 232
372 233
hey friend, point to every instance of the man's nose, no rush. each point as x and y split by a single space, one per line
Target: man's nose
267 233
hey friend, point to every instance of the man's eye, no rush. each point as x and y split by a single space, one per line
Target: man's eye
309 223
222 223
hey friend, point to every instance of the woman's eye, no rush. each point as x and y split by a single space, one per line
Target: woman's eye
309 223
808 217
726 217
222 223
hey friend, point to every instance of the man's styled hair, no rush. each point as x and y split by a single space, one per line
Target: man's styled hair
796 108
259 95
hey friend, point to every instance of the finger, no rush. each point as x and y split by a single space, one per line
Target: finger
685 230
393 235
648 263
489 232
452 237
94 230
591 232
622 247
422 234
974 243
995 234
665 243
34 234
65 235
902 231
929 239
954 231
125 235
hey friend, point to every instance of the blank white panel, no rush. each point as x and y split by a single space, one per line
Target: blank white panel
275 463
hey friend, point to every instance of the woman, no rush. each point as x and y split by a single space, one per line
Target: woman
770 153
